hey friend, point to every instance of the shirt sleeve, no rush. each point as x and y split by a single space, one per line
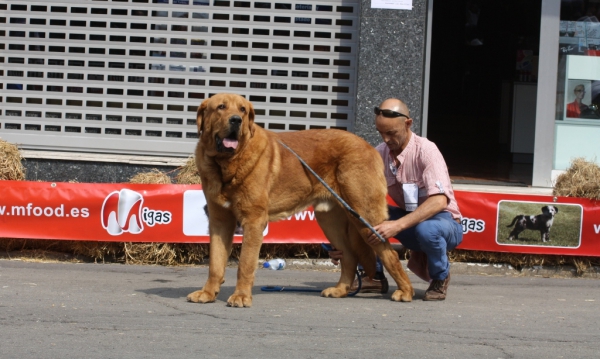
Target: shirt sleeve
435 172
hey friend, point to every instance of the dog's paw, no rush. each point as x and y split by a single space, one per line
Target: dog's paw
334 292
201 296
239 300
400 296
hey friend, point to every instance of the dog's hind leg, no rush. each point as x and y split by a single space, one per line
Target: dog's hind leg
391 262
371 204
335 226
221 227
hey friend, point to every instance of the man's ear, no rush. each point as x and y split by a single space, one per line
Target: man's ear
250 110
200 116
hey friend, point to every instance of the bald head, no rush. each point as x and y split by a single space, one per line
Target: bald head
395 104
394 131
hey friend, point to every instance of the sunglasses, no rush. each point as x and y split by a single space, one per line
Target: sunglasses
388 113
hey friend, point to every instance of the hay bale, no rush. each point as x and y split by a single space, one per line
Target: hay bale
170 254
188 173
153 177
44 250
581 180
11 167
99 251
148 253
520 261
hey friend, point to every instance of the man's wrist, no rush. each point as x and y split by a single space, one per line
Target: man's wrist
399 225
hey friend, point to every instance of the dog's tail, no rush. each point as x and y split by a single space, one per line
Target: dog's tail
515 220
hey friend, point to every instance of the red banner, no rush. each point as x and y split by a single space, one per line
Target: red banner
516 223
176 214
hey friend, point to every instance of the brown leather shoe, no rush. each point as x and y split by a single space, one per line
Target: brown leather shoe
369 285
437 289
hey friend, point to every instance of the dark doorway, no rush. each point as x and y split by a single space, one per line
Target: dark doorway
476 49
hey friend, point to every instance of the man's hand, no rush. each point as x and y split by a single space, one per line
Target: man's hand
387 229
335 256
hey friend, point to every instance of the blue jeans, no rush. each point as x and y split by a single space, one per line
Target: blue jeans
434 236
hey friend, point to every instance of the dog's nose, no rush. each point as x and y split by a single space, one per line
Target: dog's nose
235 121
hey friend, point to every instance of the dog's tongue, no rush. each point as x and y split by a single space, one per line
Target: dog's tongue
230 143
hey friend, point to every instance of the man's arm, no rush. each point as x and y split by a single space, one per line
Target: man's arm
388 229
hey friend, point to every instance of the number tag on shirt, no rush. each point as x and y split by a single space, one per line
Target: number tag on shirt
411 196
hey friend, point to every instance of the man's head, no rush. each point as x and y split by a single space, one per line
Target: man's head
579 91
393 124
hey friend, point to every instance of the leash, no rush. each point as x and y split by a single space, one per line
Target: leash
348 208
273 288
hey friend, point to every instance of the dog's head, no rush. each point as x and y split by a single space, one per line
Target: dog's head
225 122
550 211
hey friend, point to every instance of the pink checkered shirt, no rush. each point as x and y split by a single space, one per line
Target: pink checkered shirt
422 163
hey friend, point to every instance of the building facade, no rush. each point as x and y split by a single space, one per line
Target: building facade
106 88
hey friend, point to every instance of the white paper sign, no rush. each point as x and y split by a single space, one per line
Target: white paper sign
392 4
411 196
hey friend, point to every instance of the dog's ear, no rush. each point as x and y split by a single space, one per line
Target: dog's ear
250 110
545 209
200 116
555 209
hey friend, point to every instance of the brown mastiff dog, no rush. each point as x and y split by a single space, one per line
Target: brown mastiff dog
250 178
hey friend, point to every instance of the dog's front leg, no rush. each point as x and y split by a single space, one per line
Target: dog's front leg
344 238
212 181
253 236
221 226
545 236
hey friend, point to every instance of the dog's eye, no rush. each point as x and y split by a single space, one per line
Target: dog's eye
221 107
243 109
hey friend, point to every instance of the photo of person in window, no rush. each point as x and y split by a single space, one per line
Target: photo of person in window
575 108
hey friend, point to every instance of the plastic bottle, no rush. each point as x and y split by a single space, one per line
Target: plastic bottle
275 264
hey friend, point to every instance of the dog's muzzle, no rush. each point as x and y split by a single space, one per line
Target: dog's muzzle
230 142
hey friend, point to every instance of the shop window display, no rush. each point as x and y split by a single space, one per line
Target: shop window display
577 125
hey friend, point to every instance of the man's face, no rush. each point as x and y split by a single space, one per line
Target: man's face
580 92
393 131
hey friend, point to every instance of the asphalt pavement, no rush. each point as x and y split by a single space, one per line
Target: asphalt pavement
66 310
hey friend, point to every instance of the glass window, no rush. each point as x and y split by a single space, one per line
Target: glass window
180 14
578 83
179 28
158 26
177 41
99 11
